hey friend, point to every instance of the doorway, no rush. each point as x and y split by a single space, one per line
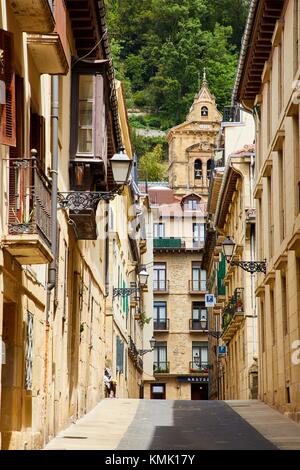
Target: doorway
199 391
158 391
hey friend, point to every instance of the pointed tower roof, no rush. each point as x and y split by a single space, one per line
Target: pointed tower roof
202 99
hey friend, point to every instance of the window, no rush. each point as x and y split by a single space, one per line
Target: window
159 230
37 137
192 204
160 357
272 317
204 111
120 355
7 75
160 315
198 277
198 234
284 287
160 283
88 121
209 167
200 355
198 169
199 316
86 110
29 352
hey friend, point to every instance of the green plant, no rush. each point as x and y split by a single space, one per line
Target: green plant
144 319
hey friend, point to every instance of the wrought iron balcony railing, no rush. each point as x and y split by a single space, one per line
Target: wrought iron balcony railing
196 366
198 325
134 354
167 243
232 114
161 286
197 285
29 199
161 325
234 307
161 367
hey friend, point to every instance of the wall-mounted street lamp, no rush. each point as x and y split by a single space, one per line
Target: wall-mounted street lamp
80 200
152 346
249 266
125 291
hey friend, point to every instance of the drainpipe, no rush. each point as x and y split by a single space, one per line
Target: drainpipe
54 174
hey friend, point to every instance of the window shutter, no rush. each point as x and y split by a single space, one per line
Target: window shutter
100 150
16 176
37 137
7 74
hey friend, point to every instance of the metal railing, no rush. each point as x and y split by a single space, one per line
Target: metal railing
167 242
233 307
198 325
196 285
29 199
161 325
161 286
161 367
134 354
196 366
232 114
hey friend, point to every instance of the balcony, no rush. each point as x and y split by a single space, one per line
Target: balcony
168 243
233 315
161 368
161 325
48 53
197 326
232 114
34 16
161 287
28 237
200 368
197 286
133 353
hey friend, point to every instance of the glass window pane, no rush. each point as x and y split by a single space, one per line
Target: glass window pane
86 114
204 355
86 87
85 140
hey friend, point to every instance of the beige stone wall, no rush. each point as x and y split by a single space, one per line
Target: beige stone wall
277 190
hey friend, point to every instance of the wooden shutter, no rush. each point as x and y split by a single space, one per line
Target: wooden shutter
37 137
7 74
16 175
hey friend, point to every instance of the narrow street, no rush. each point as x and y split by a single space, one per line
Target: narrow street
180 425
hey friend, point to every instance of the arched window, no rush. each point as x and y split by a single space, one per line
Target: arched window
198 169
204 111
209 167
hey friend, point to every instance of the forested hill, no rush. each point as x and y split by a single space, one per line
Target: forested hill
160 48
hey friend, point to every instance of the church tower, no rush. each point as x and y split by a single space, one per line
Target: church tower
192 145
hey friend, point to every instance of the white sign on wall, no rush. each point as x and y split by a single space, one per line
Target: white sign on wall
210 300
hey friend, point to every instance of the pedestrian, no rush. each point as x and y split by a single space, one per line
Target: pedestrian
113 389
107 381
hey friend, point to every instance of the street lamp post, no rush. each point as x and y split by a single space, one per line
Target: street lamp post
125 291
152 342
249 266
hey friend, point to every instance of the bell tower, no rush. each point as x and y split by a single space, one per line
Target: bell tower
192 145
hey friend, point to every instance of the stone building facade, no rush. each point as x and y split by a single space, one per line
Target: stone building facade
267 84
180 320
61 120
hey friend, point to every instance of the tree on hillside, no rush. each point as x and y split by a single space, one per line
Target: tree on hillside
151 167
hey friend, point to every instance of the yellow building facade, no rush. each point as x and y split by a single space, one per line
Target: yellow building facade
273 97
62 121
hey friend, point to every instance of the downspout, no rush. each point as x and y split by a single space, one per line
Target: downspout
52 266
54 175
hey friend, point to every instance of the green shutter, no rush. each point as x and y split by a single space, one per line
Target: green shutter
221 275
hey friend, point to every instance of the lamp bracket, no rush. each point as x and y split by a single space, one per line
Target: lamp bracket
124 291
251 266
82 200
